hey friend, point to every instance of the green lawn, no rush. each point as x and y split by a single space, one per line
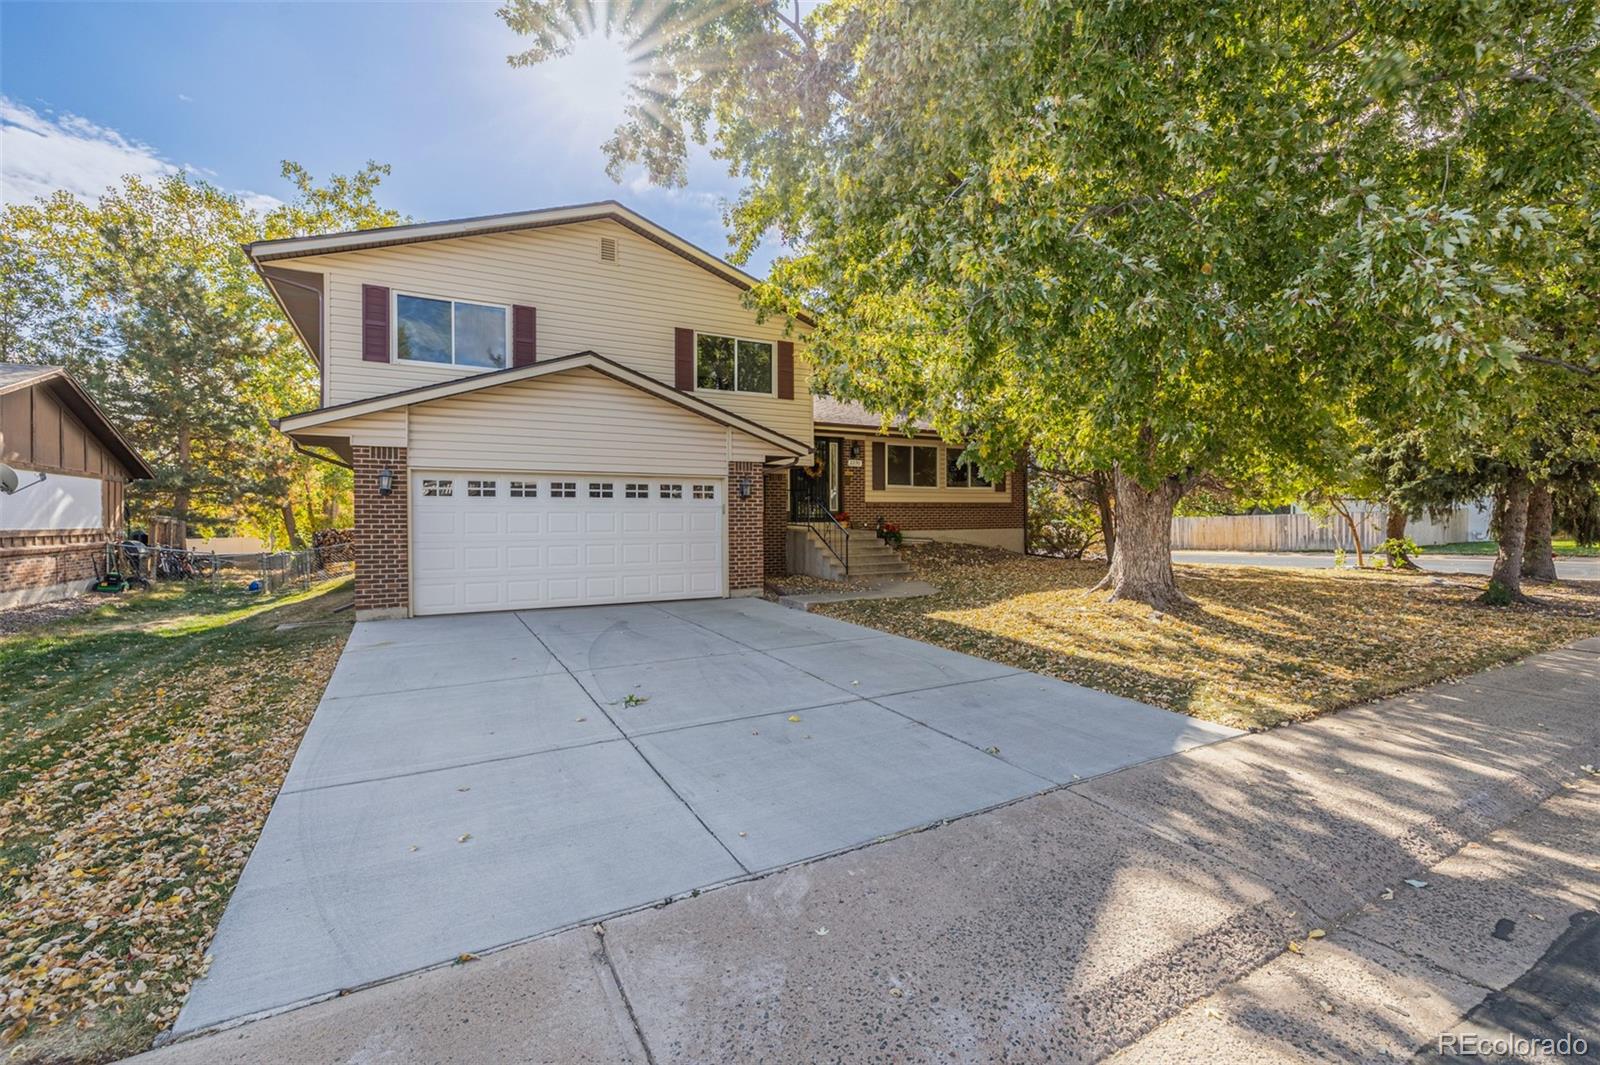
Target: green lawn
141 746
1562 548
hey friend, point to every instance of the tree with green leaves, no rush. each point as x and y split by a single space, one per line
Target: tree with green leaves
1163 241
146 295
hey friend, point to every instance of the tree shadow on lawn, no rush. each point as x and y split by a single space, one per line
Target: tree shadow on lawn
1259 647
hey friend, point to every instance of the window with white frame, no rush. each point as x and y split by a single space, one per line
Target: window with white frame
958 474
729 364
671 491
435 487
599 489
705 491
480 489
911 466
563 489
523 490
450 332
636 491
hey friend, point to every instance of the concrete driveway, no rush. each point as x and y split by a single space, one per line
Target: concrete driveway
472 781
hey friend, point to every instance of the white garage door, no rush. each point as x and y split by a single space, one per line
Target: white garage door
494 541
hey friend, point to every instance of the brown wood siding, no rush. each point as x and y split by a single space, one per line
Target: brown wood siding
38 433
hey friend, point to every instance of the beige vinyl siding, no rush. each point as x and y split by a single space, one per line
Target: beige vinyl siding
580 421
626 310
385 428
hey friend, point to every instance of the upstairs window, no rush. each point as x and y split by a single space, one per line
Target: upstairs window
958 474
450 332
728 364
912 466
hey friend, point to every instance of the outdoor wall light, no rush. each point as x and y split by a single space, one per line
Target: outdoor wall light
744 488
385 481
855 449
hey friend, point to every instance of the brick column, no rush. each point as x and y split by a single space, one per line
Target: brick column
746 530
382 535
776 528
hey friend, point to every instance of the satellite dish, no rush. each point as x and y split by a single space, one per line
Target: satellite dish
8 480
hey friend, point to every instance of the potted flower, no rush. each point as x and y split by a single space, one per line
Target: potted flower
889 533
842 517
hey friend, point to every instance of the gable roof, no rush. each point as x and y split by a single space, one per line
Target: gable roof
65 387
582 360
265 251
827 410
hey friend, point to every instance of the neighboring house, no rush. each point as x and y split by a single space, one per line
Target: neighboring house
54 532
572 406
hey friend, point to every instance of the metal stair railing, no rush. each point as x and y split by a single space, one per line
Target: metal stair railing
835 537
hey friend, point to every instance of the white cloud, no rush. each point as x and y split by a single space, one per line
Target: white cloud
43 153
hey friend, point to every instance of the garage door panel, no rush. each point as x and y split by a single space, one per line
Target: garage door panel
524 523
524 557
431 521
554 545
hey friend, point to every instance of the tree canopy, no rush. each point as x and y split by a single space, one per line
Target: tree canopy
1164 241
147 295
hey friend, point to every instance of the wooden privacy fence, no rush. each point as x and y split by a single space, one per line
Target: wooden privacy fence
1304 532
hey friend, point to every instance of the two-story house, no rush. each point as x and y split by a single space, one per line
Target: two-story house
574 406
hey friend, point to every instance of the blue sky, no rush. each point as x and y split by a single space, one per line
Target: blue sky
226 91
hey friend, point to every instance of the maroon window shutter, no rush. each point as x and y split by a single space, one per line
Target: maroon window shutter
880 466
785 369
524 336
683 359
374 323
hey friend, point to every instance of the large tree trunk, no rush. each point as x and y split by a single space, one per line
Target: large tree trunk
1105 503
1394 527
1141 565
1538 556
1507 576
290 526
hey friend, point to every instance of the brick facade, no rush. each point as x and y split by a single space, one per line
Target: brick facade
746 529
35 567
1008 511
775 530
383 533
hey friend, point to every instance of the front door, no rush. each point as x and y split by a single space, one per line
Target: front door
822 484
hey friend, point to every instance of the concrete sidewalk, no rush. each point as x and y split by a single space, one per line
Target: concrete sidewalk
1100 917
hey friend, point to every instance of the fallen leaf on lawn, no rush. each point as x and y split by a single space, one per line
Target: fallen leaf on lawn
1213 1014
1387 895
822 931
1419 884
1294 947
1315 933
794 717
1327 1007
465 956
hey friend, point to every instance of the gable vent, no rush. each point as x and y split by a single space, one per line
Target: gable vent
608 250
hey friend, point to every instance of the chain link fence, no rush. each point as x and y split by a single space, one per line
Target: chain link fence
135 563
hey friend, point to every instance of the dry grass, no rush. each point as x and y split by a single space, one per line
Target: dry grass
143 743
1260 647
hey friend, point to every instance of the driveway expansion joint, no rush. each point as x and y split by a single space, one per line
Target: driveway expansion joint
629 739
